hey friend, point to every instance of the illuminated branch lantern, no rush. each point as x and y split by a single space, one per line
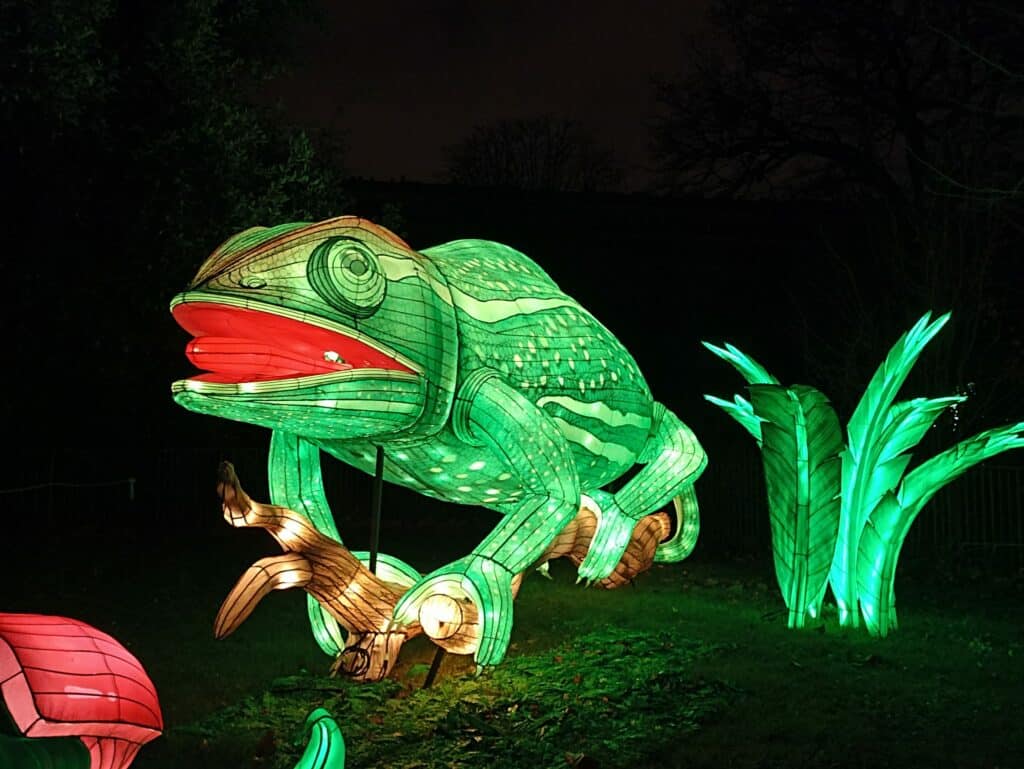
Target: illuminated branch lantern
362 602
359 600
480 381
62 678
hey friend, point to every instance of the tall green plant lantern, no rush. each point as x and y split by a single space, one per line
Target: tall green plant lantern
861 515
800 441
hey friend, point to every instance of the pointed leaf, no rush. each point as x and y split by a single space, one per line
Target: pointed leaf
890 521
885 478
908 421
749 368
740 410
802 441
870 469
870 416
923 482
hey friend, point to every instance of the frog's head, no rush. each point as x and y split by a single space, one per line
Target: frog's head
333 330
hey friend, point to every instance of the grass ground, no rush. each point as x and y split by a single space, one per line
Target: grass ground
691 667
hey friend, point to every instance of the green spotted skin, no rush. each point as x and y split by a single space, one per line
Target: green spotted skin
516 399
513 319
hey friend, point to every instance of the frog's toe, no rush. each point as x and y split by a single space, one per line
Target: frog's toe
614 529
443 604
464 607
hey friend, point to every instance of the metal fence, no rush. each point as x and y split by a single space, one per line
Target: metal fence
82 490
976 520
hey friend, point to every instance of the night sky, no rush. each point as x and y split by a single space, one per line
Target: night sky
404 79
399 82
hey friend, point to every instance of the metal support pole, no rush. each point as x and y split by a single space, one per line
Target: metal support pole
378 485
435 665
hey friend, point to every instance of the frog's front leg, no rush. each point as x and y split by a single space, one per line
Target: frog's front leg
296 483
489 413
673 460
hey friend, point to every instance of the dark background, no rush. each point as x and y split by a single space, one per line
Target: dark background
137 138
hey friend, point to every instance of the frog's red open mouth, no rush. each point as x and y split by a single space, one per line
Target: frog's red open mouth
242 344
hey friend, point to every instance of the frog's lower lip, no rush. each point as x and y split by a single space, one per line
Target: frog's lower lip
236 344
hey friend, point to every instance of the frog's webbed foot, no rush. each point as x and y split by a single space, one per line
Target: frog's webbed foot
614 531
463 607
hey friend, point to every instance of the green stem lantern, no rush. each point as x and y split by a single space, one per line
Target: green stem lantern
326 746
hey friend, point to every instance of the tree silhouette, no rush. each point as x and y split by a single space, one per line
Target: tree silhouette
865 97
909 113
131 150
540 153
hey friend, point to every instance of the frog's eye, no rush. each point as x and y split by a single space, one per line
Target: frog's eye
348 275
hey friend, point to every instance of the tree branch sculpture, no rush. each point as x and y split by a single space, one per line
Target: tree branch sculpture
363 602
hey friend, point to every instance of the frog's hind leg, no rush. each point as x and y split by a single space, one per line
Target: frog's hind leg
574 542
687 527
673 459
490 413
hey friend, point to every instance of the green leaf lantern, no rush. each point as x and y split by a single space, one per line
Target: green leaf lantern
887 526
879 435
740 408
801 444
326 746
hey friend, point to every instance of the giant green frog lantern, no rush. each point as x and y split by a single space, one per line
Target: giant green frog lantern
480 380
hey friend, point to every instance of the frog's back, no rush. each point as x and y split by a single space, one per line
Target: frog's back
488 271
514 319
